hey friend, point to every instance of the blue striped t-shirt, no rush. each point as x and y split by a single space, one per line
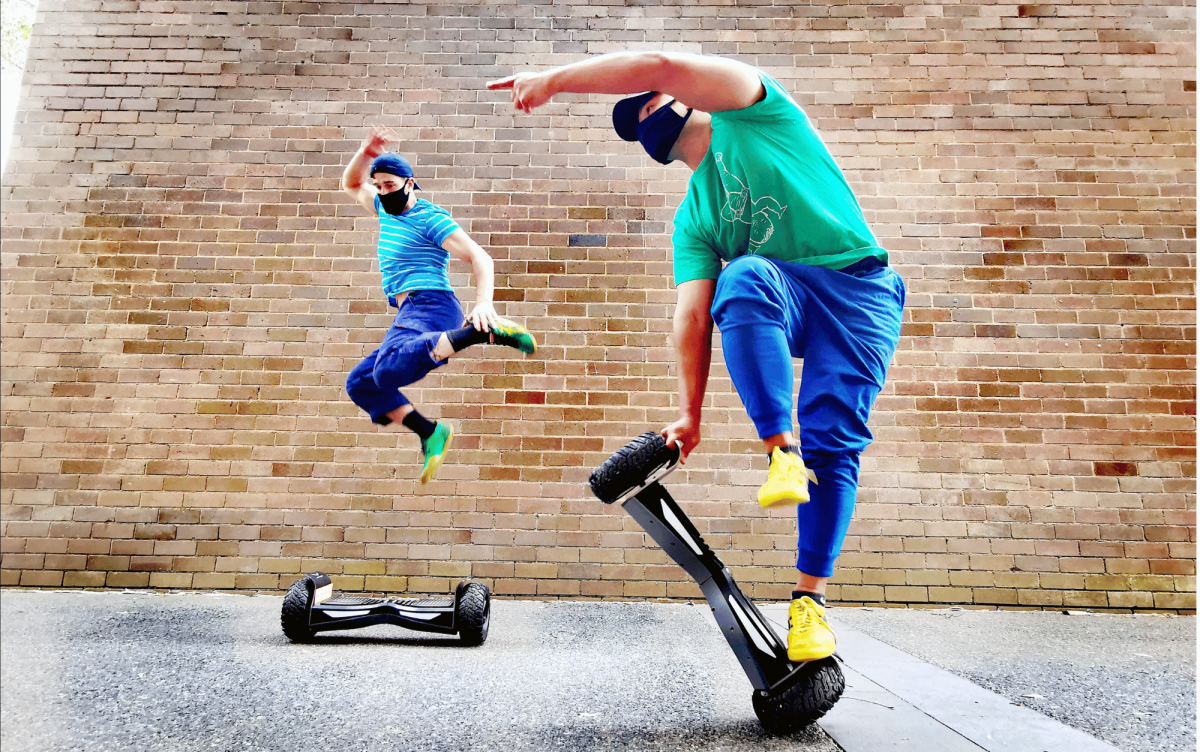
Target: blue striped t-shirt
411 256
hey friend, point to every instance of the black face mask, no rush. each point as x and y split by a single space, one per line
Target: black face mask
395 202
660 130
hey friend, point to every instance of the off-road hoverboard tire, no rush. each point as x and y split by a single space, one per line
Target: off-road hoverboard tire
630 466
798 705
294 618
473 614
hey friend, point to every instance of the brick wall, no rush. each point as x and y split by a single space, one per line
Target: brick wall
185 289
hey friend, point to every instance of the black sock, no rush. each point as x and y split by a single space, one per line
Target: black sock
419 424
789 448
465 336
816 597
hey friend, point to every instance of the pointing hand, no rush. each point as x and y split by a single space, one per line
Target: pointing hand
529 90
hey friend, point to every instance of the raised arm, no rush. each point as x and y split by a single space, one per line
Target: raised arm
356 180
705 82
693 357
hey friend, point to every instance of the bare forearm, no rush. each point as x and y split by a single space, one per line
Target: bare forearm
460 246
693 326
483 271
693 357
357 172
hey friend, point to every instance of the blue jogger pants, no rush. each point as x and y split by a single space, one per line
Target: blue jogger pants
846 326
406 355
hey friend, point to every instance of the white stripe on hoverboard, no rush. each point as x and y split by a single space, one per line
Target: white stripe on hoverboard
762 625
423 615
746 623
658 474
674 522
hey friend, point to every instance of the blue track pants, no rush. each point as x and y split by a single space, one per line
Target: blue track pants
406 355
846 327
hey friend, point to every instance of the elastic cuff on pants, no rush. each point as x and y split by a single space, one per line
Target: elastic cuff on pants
815 564
379 414
773 427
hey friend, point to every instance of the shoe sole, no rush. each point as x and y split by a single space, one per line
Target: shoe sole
812 657
436 462
782 501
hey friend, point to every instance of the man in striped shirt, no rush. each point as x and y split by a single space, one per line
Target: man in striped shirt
416 241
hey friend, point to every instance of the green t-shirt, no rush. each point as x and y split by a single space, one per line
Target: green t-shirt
768 186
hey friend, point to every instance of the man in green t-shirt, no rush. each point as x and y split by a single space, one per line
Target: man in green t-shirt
771 245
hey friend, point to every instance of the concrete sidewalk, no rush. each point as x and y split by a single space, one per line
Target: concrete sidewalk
1127 679
191 671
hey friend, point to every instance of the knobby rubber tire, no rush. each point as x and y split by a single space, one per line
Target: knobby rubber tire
630 466
800 704
474 614
294 618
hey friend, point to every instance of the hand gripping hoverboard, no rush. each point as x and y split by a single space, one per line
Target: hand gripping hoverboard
787 696
309 607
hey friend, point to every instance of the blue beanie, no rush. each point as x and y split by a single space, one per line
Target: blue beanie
393 164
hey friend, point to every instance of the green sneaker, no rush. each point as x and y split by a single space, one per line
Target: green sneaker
434 448
511 334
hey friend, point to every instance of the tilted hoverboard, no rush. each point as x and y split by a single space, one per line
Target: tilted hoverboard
787 696
309 607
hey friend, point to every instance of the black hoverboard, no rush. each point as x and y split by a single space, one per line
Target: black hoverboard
309 607
787 696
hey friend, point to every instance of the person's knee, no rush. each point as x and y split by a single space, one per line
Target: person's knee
360 382
748 291
830 457
356 386
745 272
837 467
392 371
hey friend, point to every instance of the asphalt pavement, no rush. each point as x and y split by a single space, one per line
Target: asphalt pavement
100 671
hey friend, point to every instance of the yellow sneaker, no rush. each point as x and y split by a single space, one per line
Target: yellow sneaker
809 636
787 481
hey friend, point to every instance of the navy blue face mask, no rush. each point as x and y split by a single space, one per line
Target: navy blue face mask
394 202
660 130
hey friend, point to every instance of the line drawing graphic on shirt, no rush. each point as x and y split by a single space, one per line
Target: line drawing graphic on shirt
761 210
